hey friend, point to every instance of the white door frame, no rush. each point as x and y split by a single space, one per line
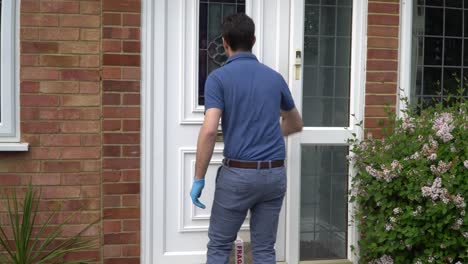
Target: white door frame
153 109
154 106
319 135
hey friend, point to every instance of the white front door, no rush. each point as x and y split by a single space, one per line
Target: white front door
327 80
181 46
187 47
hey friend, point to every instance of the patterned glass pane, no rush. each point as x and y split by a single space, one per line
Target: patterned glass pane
440 49
324 177
211 52
327 61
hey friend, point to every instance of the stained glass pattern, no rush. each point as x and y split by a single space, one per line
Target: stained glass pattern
211 50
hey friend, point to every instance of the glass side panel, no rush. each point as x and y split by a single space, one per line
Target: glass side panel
211 53
439 49
324 185
327 61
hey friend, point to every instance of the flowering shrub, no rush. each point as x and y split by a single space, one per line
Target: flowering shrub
411 187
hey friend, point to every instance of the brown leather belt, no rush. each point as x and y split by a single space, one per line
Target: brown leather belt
253 164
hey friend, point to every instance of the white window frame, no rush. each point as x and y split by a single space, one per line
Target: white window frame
9 80
405 53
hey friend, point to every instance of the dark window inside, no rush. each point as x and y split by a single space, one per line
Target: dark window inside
440 49
211 51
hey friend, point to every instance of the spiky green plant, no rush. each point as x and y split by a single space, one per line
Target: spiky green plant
29 245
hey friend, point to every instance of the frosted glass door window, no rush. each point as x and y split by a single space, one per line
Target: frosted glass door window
324 177
327 60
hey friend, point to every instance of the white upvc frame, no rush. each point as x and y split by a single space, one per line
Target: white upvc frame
405 53
9 78
154 17
316 135
154 28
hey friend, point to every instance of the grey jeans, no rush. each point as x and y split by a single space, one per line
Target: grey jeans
237 191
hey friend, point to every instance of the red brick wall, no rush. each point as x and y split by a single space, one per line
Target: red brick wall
121 130
80 110
382 61
60 110
80 83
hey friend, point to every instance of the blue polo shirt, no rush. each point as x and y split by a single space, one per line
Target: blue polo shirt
250 94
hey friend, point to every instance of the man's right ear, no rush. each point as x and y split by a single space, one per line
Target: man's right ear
226 46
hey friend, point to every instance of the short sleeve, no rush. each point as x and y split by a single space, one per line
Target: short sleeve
214 95
287 102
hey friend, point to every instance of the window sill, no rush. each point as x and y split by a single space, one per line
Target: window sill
14 146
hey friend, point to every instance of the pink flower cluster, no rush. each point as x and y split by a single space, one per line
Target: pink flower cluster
388 227
386 174
418 211
459 201
430 150
436 191
385 259
443 126
458 223
441 168
408 124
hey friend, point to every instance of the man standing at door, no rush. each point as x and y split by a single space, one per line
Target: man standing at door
250 98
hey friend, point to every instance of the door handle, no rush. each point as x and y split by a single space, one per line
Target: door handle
298 64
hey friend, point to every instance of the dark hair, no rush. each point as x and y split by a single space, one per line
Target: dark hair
239 32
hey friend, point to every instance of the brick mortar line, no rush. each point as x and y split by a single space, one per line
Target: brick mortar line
120 26
61 67
384 26
385 14
116 92
381 94
104 12
128 40
59 41
57 27
377 82
381 37
384 2
101 133
386 60
380 49
380 71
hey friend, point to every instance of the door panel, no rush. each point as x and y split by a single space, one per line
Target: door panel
193 50
328 92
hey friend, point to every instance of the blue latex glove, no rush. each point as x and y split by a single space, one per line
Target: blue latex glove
197 188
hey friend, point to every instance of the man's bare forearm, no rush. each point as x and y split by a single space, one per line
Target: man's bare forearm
291 122
288 129
205 146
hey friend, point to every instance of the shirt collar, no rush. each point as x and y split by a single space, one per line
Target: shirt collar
241 55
